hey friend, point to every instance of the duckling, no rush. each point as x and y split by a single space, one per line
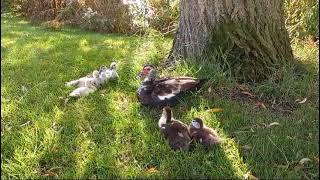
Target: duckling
86 81
202 134
91 83
164 91
86 85
174 130
107 74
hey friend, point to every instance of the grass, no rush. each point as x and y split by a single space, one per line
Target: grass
109 135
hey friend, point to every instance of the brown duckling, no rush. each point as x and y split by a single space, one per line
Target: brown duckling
202 134
174 130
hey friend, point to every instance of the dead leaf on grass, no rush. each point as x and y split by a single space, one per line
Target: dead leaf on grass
215 110
152 170
273 124
246 93
301 101
304 160
248 175
261 105
48 173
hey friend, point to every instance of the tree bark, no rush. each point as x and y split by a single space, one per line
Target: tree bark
249 32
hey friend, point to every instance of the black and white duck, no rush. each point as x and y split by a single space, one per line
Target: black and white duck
164 91
203 134
175 131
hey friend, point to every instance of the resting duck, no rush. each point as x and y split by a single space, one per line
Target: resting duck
202 134
175 131
164 91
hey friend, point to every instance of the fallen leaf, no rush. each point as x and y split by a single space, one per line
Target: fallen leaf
261 105
209 90
246 93
304 160
248 175
301 102
273 124
49 173
215 110
152 170
246 147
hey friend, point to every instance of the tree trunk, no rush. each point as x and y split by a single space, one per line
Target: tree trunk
251 34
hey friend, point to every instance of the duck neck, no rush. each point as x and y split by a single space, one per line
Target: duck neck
168 114
165 118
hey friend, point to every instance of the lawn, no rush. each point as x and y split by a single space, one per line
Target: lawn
109 135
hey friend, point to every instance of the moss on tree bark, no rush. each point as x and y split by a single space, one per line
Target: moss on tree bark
251 34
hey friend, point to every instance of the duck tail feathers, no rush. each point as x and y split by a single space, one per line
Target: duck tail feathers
202 82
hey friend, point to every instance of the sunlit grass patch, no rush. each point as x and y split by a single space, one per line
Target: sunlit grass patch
109 135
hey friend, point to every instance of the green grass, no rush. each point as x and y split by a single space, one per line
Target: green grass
108 134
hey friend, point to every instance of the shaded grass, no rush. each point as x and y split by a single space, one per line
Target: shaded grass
108 134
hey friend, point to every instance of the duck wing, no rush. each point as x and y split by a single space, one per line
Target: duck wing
178 135
182 129
167 88
212 136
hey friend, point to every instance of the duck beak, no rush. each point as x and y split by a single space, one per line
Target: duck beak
143 73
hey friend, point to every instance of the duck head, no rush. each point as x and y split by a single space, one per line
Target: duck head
146 71
102 69
95 74
113 66
167 112
197 123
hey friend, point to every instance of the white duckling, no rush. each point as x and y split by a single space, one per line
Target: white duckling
86 85
110 73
